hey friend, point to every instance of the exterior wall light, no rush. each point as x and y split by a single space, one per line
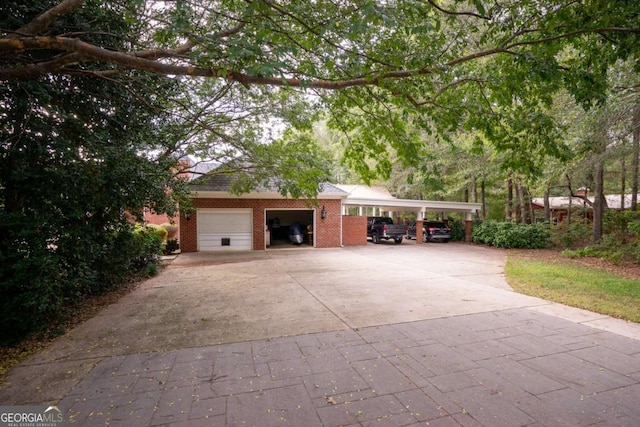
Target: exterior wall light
187 215
323 212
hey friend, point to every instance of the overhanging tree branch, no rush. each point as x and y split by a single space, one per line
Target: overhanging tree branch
456 13
40 23
152 61
86 52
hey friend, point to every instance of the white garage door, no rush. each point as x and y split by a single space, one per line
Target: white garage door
225 229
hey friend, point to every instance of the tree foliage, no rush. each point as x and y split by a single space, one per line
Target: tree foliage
511 235
76 168
480 65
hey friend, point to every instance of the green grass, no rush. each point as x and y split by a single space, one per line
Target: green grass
577 286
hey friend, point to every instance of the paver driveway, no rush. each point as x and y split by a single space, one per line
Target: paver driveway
384 334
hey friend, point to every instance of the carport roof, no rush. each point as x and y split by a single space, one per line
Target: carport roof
379 197
614 201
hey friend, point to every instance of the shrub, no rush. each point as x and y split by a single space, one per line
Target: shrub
40 279
579 253
171 246
484 232
623 225
129 253
620 240
576 235
148 242
154 230
172 230
457 230
29 284
511 235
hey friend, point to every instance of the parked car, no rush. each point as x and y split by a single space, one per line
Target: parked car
380 227
431 231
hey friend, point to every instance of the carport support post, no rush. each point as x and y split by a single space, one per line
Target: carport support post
468 227
419 233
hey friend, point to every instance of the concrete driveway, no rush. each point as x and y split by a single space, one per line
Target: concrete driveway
436 326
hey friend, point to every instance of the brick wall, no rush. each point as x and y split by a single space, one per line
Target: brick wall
327 230
354 230
419 231
189 233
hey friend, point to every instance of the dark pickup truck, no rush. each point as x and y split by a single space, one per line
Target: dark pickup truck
380 227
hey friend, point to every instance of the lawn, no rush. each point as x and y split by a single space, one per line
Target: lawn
577 284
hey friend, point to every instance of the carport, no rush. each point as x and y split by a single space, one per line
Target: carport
363 199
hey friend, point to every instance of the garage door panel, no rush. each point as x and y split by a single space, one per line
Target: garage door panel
210 242
238 222
232 224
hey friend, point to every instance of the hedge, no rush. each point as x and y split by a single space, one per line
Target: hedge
511 235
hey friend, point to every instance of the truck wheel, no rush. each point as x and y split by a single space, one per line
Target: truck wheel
425 238
375 239
398 241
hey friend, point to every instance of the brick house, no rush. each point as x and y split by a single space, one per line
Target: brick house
262 219
220 220
559 207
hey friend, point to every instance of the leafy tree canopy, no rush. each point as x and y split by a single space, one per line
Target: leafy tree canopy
480 65
320 44
80 157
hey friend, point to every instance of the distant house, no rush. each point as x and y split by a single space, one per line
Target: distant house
560 206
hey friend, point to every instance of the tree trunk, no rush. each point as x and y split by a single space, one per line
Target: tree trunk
570 201
474 190
466 193
474 194
623 182
484 200
510 197
547 207
528 206
521 203
569 210
636 157
599 201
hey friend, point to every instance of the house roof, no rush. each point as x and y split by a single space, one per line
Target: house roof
216 182
560 202
613 201
200 169
219 186
364 191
